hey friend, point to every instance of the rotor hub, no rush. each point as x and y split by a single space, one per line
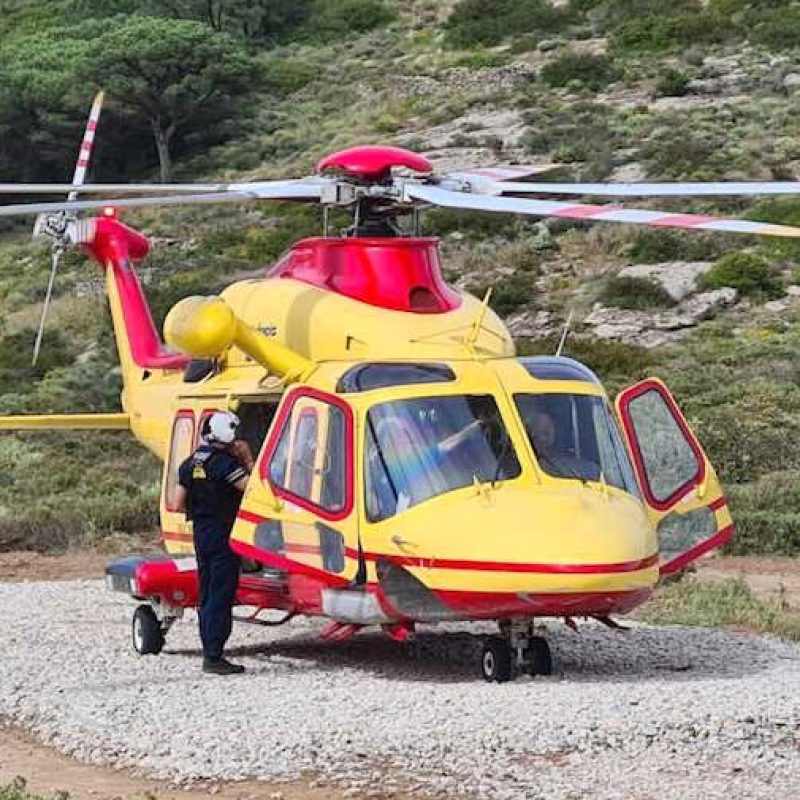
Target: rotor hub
373 163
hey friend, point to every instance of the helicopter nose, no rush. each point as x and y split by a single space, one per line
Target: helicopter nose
583 551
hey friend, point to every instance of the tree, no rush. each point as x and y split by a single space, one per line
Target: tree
39 126
177 75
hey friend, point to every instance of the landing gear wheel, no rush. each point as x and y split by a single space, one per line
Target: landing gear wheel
538 659
496 660
148 637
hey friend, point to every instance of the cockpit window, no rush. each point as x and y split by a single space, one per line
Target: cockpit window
364 377
420 448
575 436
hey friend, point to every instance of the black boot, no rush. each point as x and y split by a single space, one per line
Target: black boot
221 666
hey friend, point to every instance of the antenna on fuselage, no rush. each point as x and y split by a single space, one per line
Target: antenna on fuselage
564 334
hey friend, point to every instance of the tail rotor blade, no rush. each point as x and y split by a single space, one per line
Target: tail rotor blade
46 305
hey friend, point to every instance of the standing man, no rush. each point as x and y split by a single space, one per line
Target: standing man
211 483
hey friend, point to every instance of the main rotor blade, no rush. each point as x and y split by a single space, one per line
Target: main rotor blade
714 189
267 190
117 188
590 213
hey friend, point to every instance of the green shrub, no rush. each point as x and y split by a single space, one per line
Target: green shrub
593 71
647 26
510 293
765 533
749 273
476 22
283 76
777 28
335 19
635 293
672 83
657 245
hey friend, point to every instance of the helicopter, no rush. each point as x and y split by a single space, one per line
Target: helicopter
410 467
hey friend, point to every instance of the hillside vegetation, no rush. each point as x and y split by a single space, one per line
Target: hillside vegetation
611 89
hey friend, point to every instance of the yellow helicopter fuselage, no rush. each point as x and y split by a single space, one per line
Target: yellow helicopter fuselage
360 376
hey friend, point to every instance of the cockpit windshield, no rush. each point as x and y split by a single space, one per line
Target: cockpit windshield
423 447
575 436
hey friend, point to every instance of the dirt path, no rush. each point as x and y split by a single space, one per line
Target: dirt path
46 771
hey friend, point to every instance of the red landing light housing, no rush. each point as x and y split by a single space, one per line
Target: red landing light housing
373 162
398 274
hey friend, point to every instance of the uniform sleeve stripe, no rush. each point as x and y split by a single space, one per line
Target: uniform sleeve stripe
236 475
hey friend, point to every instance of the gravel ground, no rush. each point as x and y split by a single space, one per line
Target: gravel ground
653 713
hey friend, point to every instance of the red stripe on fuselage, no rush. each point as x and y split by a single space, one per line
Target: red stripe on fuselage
480 566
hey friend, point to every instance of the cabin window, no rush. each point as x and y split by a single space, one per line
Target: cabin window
575 436
309 461
424 447
181 445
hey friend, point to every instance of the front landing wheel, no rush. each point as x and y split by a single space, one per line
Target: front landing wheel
496 660
148 636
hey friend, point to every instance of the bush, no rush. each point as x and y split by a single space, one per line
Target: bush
283 76
510 293
336 19
637 26
635 293
765 533
476 22
749 273
672 83
656 245
594 72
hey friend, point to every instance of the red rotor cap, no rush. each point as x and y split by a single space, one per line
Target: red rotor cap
373 162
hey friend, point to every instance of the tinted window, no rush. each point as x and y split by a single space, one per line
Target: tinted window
575 436
377 376
558 368
418 449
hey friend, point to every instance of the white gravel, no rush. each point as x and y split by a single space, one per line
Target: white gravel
654 713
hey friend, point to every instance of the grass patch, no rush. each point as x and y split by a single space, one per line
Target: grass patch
727 603
18 790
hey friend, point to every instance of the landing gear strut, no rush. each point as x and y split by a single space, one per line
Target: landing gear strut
516 649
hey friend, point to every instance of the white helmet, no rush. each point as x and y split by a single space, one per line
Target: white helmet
220 427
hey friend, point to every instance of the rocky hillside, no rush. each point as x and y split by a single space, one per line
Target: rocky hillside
608 89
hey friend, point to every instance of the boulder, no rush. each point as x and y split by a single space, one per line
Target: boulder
649 329
531 324
677 278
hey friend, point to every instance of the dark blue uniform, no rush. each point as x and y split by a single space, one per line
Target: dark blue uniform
208 476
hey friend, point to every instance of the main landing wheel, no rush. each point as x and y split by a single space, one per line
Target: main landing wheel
496 664
538 660
148 636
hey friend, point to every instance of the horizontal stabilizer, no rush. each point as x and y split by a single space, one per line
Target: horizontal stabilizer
66 422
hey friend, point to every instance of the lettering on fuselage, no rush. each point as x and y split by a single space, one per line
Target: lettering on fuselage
269 330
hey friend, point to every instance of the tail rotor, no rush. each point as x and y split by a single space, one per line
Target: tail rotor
60 225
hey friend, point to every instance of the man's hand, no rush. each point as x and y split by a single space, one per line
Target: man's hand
240 450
